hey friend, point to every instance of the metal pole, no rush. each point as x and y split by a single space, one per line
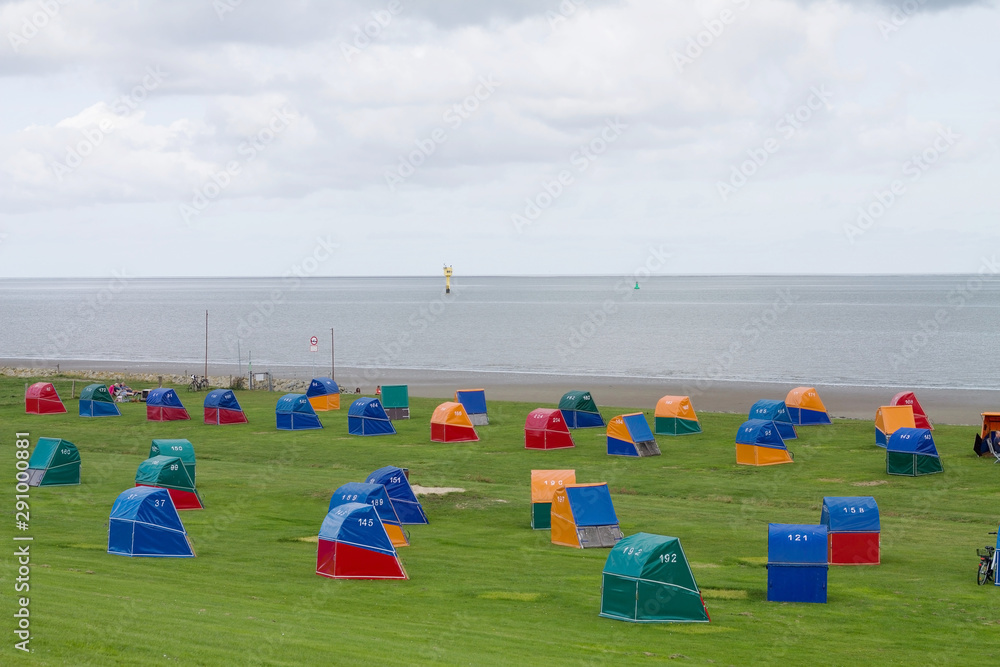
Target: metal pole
333 365
239 358
206 344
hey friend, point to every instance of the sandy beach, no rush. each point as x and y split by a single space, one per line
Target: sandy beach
946 406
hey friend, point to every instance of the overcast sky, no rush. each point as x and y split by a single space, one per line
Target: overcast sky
241 137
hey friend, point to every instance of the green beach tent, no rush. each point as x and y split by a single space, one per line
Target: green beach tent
911 452
647 579
55 462
96 401
396 400
168 472
182 449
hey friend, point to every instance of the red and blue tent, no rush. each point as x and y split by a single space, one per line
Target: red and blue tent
163 405
777 412
376 496
221 407
353 544
404 501
366 416
853 527
294 412
144 522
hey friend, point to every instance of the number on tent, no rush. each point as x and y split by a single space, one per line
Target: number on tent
668 558
365 522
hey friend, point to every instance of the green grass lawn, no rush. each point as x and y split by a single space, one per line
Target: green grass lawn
484 588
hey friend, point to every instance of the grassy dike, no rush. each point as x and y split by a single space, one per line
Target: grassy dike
484 588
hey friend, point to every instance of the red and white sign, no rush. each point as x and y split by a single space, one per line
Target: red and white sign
313 342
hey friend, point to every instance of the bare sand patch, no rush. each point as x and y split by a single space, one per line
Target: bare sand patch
435 490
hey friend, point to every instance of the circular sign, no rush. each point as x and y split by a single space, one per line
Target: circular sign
314 341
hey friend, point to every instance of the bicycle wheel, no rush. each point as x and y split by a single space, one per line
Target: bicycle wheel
984 572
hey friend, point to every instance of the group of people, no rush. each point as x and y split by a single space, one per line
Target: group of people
120 391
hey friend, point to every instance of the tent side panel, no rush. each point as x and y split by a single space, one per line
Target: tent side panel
854 549
619 597
928 465
541 516
900 463
618 447
659 602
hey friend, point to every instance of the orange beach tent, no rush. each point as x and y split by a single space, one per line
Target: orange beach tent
805 407
544 484
450 423
675 415
888 418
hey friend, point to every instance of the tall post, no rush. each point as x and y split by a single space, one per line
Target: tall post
333 364
447 279
206 344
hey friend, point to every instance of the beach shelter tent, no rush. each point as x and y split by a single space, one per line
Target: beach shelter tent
474 402
450 423
544 484
221 407
675 415
758 443
888 418
806 408
580 411
324 394
168 472
96 401
852 524
294 412
353 544
990 431
163 405
404 501
920 418
911 452
376 496
545 428
396 400
583 516
647 579
777 412
54 462
629 435
367 417
182 449
144 522
42 399
797 564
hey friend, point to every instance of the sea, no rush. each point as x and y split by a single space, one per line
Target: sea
916 331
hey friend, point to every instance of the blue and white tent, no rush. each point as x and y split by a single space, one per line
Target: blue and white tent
777 412
376 496
144 522
366 416
404 501
294 413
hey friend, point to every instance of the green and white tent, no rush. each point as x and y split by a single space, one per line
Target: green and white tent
55 462
647 579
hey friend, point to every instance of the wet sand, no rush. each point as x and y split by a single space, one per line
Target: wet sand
944 406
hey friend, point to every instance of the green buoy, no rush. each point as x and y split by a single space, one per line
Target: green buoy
636 285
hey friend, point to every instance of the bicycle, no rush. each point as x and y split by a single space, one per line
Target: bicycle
987 564
198 383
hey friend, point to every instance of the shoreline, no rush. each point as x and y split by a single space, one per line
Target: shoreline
945 406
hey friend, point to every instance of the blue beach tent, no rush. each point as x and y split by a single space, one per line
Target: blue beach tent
376 496
294 413
911 452
777 412
144 522
797 563
850 514
474 402
404 501
366 416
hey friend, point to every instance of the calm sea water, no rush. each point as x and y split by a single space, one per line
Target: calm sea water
926 331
